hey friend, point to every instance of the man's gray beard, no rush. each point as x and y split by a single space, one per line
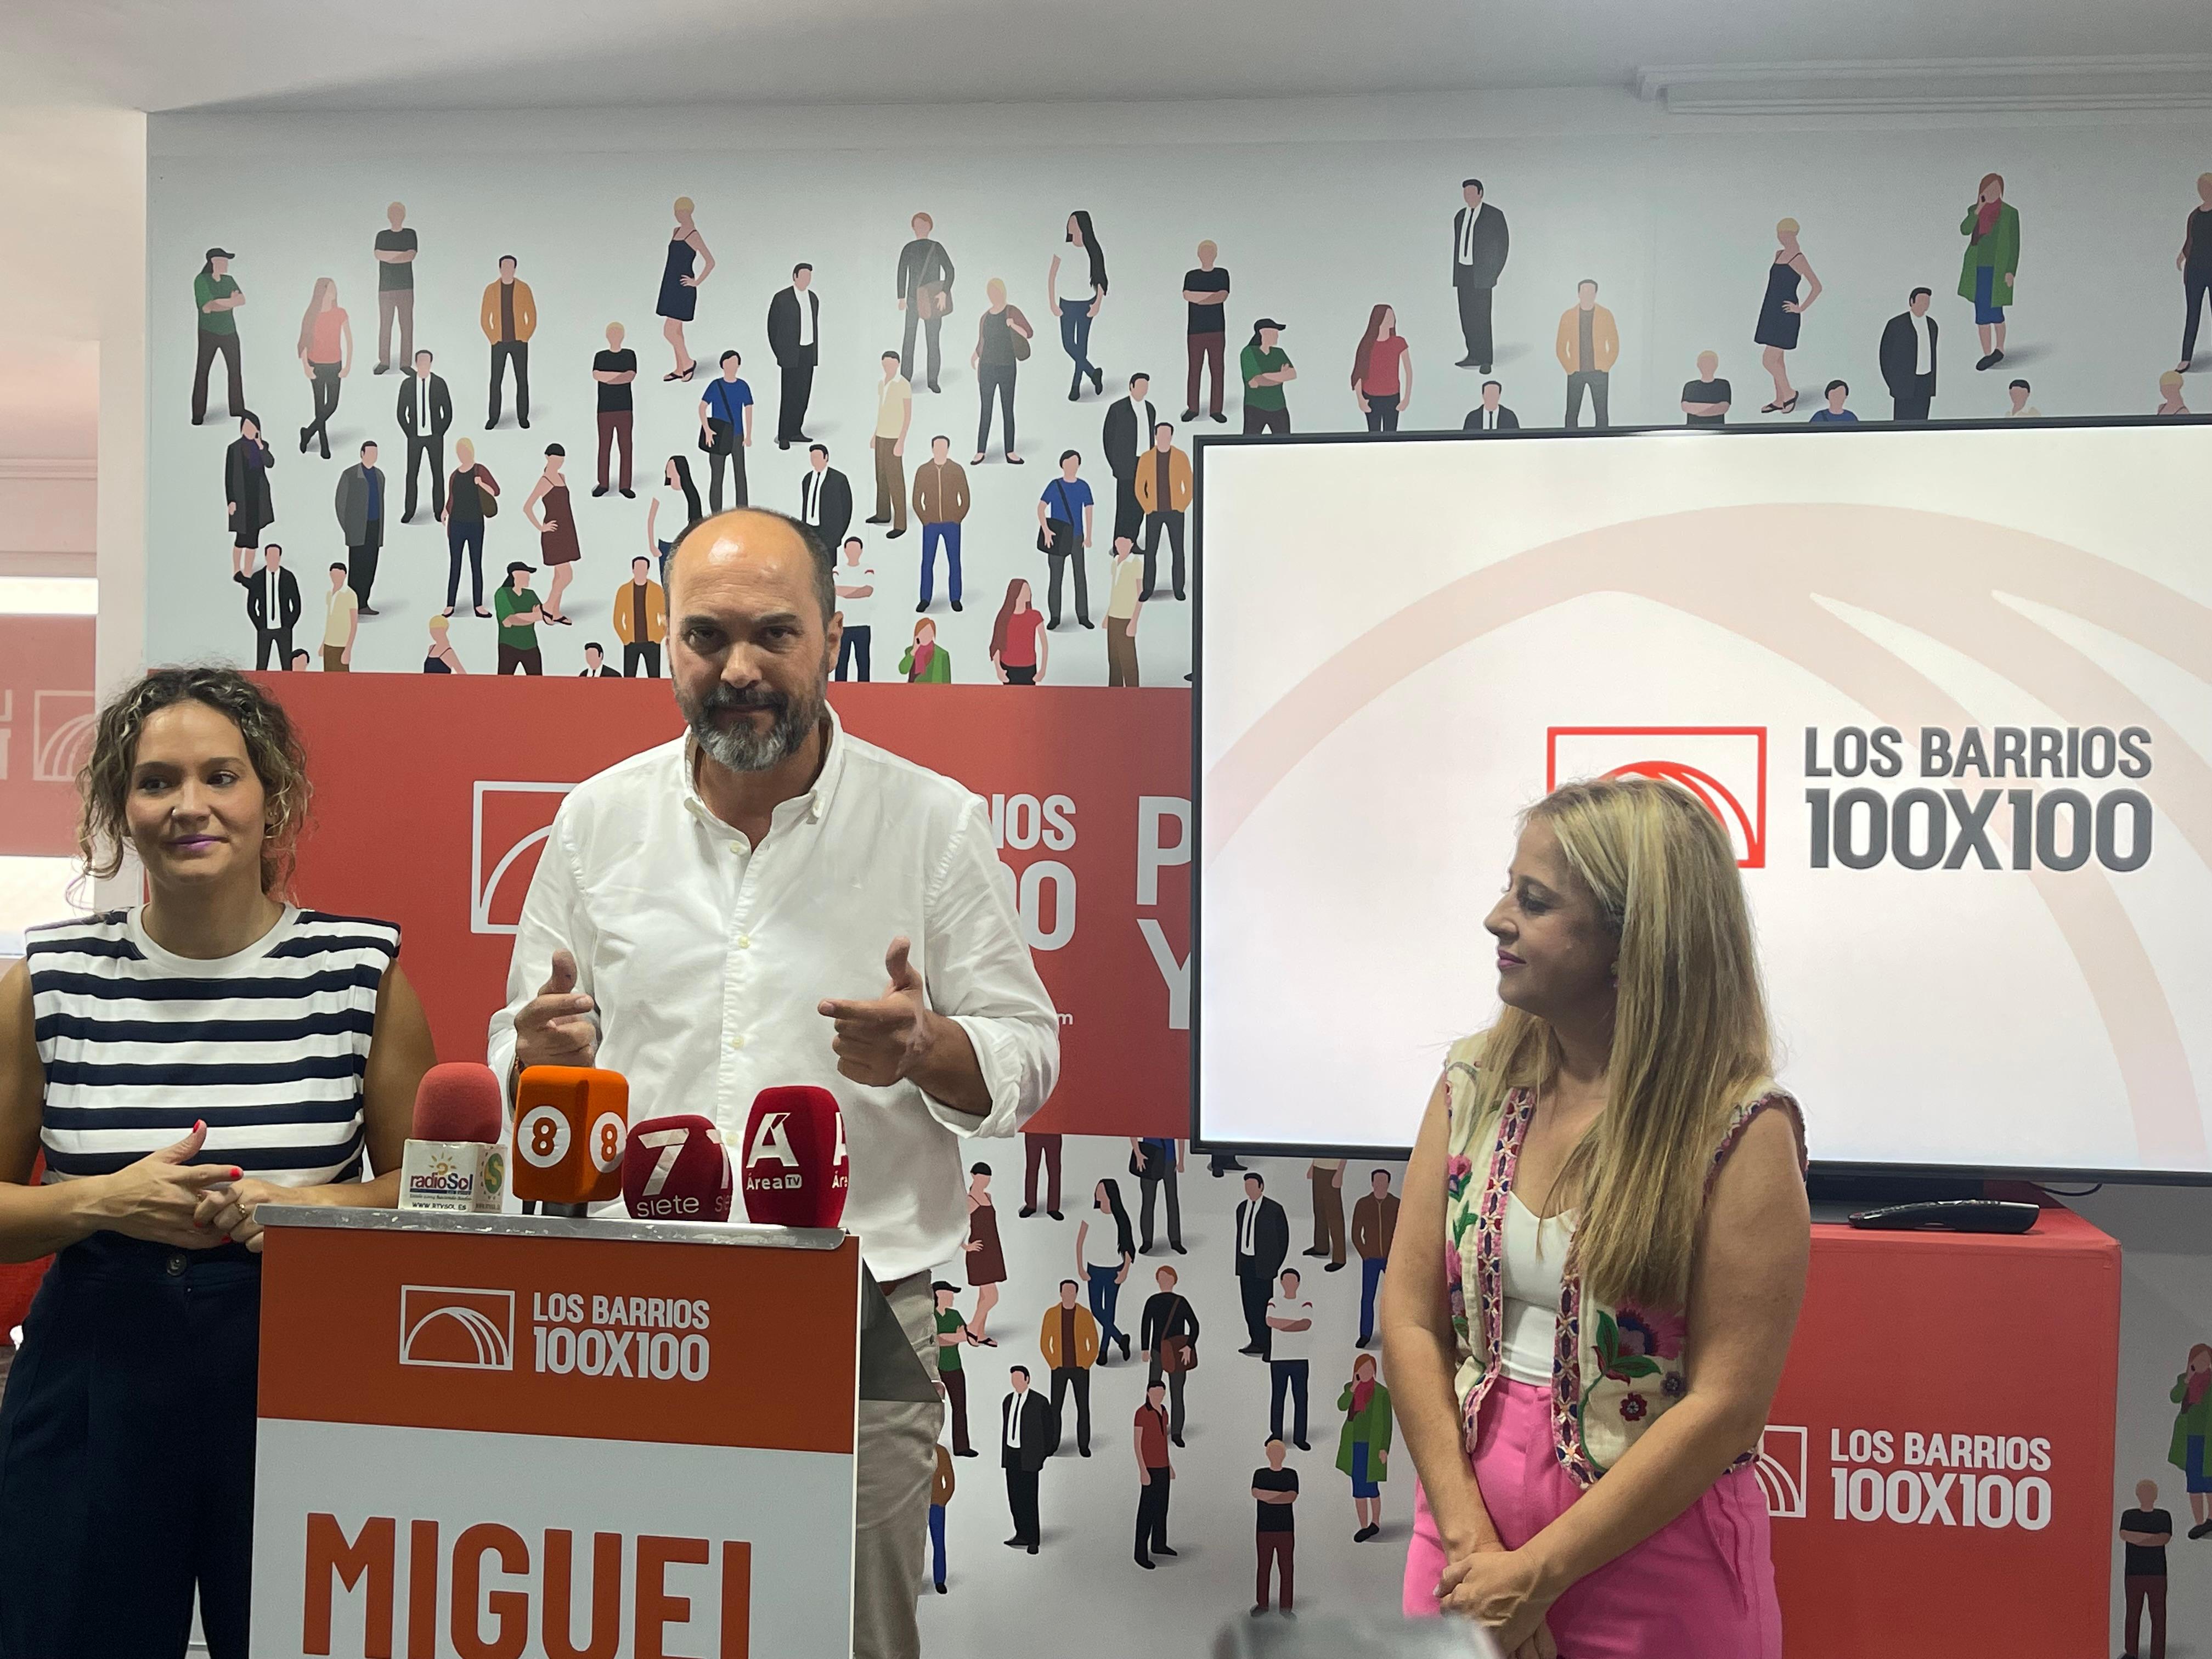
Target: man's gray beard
742 747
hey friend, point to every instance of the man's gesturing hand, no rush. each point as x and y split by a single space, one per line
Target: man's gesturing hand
881 1043
555 1027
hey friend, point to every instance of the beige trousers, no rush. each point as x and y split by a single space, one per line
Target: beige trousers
897 1461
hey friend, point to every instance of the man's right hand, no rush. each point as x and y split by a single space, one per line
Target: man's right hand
555 1027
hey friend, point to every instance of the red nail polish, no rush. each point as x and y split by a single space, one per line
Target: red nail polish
198 1124
237 1174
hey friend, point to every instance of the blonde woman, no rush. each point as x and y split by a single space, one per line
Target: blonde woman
1002 340
680 279
1610 1162
1779 311
441 658
326 357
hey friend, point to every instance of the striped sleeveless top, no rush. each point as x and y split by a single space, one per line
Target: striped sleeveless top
268 1047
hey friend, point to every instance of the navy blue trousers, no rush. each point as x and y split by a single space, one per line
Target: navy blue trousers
126 1454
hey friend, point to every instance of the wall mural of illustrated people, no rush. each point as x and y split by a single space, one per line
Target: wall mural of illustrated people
1019 650
1041 1153
941 1485
1164 487
1205 331
1065 515
1122 438
1264 369
1780 310
247 501
272 607
1124 603
952 1335
641 621
2190 1449
2194 262
441 658
2019 392
1908 358
1491 415
1158 1162
1002 344
395 249
1076 284
1363 1444
1374 1224
614 372
674 508
1833 409
726 431
1382 371
924 295
687 265
425 412
926 662
894 415
1105 1251
297 662
2170 400
217 297
325 353
1156 1476
1275 1493
553 518
825 497
794 340
1990 264
1167 1341
519 612
1481 242
859 588
940 501
1263 1239
2145 1532
1325 1176
471 498
595 664
1026 1439
1705 400
341 623
508 316
1289 1355
1588 346
1068 1341
359 504
985 1260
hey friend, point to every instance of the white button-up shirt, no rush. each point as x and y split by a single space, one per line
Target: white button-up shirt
705 957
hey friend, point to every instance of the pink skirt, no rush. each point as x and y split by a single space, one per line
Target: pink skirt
1703 1583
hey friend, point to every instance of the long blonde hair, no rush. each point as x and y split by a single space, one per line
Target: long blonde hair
326 289
1690 1038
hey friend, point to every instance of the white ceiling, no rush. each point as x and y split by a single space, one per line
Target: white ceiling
321 54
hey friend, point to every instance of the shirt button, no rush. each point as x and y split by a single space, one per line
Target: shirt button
736 1042
745 941
174 1267
737 847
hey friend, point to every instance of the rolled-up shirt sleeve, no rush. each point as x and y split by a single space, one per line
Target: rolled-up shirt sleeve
978 973
551 920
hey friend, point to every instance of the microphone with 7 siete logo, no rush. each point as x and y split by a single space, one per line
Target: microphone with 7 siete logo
571 1123
676 1169
796 1169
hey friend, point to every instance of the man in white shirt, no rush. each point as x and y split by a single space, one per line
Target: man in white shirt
856 609
769 901
1908 358
1290 1326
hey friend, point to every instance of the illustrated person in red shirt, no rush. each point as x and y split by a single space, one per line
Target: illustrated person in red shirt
1155 1474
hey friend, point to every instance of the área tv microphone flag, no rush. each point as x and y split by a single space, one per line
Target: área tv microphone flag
676 1169
453 1159
796 1169
570 1125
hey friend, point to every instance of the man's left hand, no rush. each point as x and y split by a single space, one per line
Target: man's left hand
881 1043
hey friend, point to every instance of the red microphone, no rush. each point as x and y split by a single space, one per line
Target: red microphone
453 1160
570 1122
676 1169
796 1168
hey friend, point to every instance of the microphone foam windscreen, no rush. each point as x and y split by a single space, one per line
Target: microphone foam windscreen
459 1101
675 1169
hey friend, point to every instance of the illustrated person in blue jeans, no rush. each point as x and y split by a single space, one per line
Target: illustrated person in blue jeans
940 1494
1105 1249
1374 1222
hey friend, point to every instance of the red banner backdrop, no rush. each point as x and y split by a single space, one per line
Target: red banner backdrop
433 796
46 731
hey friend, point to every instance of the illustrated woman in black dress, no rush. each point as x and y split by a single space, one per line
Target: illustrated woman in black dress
1779 314
688 266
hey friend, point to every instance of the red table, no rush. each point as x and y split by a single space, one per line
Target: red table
1940 1459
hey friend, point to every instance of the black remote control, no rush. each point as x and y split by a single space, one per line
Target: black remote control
1956 1215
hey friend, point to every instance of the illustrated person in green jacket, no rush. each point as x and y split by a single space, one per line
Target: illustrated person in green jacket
1363 1446
926 661
1992 228
2191 1450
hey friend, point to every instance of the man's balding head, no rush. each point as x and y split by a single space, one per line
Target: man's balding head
759 544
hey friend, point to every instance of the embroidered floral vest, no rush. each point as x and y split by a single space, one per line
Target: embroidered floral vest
1615 1368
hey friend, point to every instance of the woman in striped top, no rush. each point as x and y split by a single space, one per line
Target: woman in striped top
178 1064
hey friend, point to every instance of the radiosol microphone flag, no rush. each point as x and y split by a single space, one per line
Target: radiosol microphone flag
453 1160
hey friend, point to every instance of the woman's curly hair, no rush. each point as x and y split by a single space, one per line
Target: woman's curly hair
273 748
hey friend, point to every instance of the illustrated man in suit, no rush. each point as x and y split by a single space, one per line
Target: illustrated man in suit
1025 1437
925 293
1479 242
1908 358
1491 415
825 497
426 409
360 520
595 664
1128 424
272 606
1263 1239
794 335
1068 1339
